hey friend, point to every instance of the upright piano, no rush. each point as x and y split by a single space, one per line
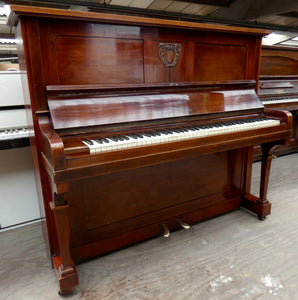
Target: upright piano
142 126
278 87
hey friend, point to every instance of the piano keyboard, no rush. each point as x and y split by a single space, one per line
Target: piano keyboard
14 138
13 133
146 138
279 100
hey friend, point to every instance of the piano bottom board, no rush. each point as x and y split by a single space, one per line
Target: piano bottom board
146 232
114 210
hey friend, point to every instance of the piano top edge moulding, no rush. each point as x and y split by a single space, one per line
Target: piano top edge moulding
140 126
18 10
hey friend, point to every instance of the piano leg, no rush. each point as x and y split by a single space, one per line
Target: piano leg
63 263
261 206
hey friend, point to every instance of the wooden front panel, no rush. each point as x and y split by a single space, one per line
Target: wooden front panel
108 205
279 61
76 53
277 65
90 60
219 62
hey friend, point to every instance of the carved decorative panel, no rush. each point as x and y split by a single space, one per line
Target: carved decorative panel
169 54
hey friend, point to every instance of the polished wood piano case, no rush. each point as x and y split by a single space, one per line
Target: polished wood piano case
102 76
278 87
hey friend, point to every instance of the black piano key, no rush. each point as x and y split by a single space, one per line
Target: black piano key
99 141
183 129
139 135
148 134
132 135
105 140
154 133
177 130
114 138
121 138
164 132
89 142
124 137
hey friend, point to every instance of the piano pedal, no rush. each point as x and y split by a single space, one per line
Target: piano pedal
166 231
183 224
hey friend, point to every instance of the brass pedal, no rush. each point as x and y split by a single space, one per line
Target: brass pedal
166 231
183 224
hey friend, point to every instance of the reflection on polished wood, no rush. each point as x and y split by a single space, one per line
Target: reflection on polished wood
96 77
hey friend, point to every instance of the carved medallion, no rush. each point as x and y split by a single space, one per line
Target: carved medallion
169 54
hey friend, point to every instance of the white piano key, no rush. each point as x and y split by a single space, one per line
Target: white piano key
280 100
92 148
13 133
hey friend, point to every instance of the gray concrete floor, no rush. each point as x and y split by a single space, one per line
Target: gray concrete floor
234 256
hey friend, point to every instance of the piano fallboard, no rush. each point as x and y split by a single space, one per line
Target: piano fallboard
71 109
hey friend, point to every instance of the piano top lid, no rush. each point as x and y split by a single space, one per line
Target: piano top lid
78 109
109 18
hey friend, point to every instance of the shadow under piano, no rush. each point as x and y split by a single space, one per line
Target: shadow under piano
18 200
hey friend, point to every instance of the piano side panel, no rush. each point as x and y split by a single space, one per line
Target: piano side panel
34 97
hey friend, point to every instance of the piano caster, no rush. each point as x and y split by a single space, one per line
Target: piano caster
261 218
183 224
166 231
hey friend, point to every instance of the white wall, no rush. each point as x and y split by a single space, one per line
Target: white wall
18 197
11 88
